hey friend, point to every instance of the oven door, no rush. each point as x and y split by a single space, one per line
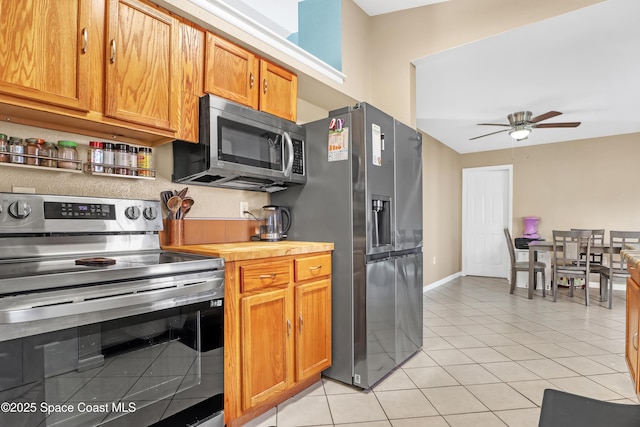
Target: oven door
244 146
162 366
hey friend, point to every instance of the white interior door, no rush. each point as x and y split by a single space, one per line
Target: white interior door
486 211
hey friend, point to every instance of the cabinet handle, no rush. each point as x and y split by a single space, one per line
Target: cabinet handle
85 40
113 51
301 323
288 327
634 341
265 86
317 267
252 80
268 276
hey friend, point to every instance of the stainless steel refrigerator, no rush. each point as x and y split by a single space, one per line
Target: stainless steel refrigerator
364 193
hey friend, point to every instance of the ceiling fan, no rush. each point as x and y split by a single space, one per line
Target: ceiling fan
521 124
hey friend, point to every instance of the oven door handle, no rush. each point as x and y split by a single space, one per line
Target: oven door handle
111 307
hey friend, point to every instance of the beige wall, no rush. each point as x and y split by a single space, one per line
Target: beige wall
575 184
442 186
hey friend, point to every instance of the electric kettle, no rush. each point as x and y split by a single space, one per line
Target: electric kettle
275 222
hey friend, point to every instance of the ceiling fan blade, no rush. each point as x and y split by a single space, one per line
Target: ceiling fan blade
492 133
493 124
544 116
557 125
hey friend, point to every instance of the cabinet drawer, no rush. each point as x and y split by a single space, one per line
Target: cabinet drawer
313 266
258 276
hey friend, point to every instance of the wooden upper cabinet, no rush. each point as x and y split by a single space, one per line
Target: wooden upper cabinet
44 48
231 72
142 65
234 73
278 91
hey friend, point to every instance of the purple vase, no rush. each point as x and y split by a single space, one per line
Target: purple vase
530 227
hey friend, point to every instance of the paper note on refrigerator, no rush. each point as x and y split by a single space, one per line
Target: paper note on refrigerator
376 145
338 145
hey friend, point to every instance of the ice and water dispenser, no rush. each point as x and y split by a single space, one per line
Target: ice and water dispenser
381 216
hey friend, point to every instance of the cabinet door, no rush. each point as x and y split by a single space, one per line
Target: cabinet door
266 346
44 51
279 91
231 72
313 328
142 65
633 311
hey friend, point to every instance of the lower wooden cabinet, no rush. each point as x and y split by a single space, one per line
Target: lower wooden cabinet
632 329
313 328
266 345
277 330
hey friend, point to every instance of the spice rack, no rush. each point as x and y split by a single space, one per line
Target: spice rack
76 163
89 166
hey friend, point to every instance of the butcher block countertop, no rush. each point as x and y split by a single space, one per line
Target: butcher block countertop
240 251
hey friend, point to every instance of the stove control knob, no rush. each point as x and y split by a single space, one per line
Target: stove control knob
132 212
19 209
150 213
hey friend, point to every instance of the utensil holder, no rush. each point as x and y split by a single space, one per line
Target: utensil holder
175 231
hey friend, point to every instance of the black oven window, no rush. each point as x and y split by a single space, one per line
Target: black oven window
132 371
247 145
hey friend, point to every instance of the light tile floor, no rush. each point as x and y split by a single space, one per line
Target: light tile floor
486 359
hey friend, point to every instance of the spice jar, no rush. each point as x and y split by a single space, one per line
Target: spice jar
145 158
4 148
67 150
95 156
108 157
133 161
32 148
122 159
48 153
16 145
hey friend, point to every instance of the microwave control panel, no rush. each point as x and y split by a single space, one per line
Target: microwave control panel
298 157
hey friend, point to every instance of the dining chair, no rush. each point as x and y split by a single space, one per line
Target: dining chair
562 409
617 268
538 267
567 262
597 239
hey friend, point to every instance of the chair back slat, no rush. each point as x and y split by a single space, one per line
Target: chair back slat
597 239
619 240
567 247
512 251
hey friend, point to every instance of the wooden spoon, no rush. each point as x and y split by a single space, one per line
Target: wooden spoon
174 204
187 202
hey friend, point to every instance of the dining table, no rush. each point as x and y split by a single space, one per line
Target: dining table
536 246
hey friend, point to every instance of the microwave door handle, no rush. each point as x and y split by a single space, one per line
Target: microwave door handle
287 170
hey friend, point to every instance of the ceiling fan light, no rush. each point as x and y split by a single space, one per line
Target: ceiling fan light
519 133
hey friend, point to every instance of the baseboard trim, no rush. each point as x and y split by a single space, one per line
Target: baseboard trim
441 282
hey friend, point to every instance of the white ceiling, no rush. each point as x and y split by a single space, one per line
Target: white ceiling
378 7
584 63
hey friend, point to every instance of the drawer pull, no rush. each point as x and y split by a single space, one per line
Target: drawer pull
317 267
265 86
634 341
251 80
268 276
288 327
301 323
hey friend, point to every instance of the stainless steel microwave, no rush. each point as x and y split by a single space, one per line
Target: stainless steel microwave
241 148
